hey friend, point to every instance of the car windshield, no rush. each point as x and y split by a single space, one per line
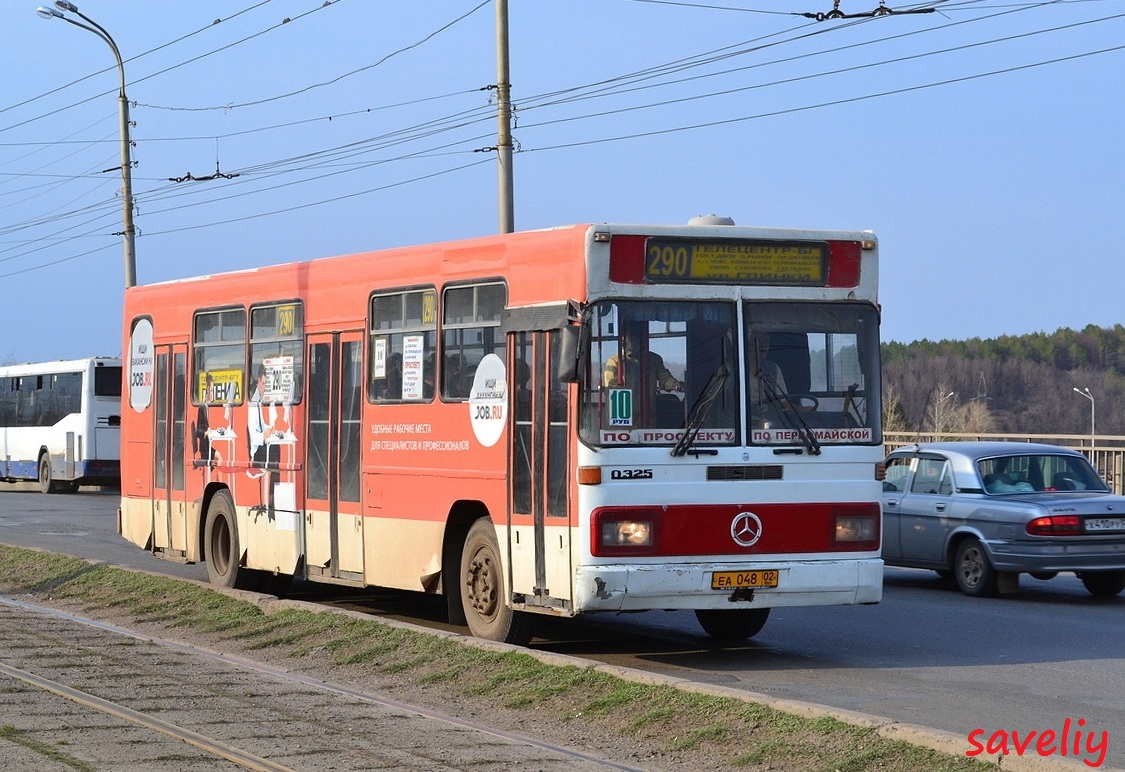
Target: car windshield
1040 472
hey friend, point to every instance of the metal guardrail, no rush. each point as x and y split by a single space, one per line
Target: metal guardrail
1106 452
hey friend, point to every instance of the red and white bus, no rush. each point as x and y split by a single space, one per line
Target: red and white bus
593 418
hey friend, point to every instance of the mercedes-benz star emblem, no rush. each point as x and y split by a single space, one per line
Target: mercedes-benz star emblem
746 529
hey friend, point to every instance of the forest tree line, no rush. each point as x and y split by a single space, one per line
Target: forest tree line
1011 385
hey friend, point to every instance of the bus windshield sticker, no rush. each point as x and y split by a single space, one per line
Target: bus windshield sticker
664 436
620 407
767 436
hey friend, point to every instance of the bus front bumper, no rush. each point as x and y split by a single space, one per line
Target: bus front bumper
670 586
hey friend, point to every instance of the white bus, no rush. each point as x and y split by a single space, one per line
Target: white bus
60 423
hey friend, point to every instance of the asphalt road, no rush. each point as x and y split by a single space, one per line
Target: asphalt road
1043 660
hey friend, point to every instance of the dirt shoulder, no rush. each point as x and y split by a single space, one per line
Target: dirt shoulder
637 719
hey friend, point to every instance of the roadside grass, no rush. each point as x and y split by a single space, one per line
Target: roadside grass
689 730
11 734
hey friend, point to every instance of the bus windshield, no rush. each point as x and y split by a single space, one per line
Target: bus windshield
651 363
799 373
812 373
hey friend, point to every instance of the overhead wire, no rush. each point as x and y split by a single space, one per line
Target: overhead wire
129 60
625 83
835 102
842 70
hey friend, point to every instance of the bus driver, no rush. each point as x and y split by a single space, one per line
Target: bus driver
655 375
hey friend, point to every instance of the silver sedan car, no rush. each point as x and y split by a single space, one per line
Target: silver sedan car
985 512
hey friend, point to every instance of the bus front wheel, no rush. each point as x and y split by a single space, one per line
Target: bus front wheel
483 589
732 625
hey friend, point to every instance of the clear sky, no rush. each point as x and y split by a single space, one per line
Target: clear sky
982 142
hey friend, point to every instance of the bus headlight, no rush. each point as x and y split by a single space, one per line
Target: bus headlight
629 532
852 528
856 527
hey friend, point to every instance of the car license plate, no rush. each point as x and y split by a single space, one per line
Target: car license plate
740 580
1105 524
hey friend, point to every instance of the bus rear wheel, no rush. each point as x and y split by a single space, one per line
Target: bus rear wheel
46 483
220 539
734 624
483 589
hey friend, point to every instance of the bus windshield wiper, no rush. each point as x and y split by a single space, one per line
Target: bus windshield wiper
851 409
700 409
790 415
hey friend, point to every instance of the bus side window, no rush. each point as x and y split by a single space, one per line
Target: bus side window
402 339
470 331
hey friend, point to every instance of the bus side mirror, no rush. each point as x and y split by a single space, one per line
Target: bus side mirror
568 353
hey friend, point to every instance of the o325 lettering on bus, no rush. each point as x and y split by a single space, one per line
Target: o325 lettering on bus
630 474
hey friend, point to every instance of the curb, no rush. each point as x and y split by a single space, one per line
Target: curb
913 734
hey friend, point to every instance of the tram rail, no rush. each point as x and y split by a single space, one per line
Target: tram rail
108 697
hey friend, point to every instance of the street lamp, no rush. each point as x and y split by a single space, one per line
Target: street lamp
126 163
1086 393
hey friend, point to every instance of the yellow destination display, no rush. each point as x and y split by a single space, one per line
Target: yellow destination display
737 262
742 580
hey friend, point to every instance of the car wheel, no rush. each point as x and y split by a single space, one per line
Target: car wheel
733 625
1104 584
974 573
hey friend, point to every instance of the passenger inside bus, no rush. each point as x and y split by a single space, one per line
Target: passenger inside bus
767 382
456 384
392 388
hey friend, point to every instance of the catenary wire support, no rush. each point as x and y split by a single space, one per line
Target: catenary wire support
882 10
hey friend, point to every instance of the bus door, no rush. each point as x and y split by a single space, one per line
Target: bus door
169 502
333 522
538 518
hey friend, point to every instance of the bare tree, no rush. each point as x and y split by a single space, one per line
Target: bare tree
942 410
894 417
974 417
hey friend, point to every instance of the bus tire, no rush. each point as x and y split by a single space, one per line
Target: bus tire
220 541
483 589
733 624
46 483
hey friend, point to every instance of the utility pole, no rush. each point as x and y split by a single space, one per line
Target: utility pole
504 119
